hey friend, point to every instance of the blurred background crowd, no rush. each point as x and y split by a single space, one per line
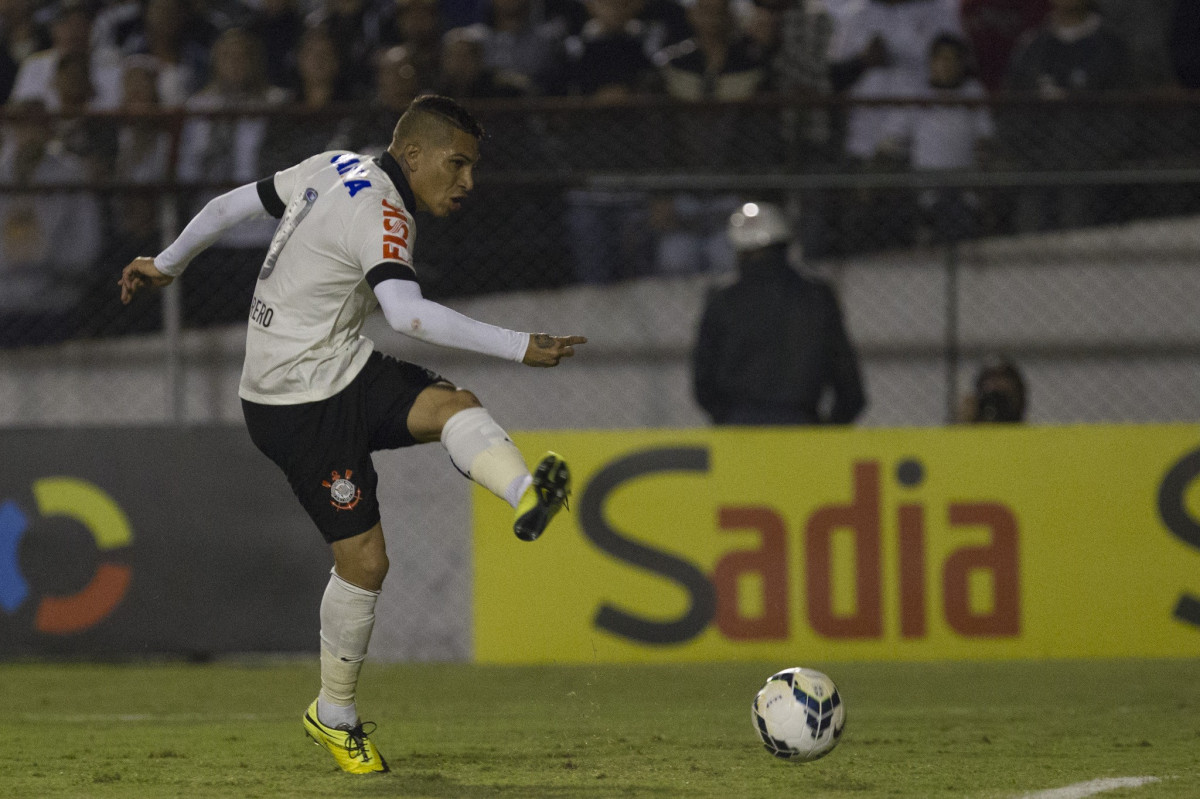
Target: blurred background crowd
124 116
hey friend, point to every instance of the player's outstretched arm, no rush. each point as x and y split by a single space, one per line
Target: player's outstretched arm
218 215
547 350
141 272
408 312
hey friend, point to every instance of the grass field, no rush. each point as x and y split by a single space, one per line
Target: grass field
914 730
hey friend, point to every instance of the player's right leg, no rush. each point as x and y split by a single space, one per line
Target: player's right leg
544 497
481 450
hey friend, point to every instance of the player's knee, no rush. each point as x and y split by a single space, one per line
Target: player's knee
376 566
460 400
464 399
370 567
362 562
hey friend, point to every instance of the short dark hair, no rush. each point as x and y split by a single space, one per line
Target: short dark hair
950 40
445 108
1000 405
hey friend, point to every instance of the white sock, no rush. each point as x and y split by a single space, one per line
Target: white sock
347 616
335 716
516 489
483 451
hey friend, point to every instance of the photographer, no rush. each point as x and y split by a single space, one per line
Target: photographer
999 394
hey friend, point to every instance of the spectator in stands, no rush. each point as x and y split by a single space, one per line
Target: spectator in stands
143 145
19 37
143 153
170 32
48 238
134 222
1074 53
800 61
607 62
357 28
227 148
70 33
1184 33
993 27
292 139
943 137
799 66
462 73
608 59
279 24
998 393
523 50
881 51
666 23
221 15
792 38
772 347
224 150
416 24
93 139
717 62
396 84
661 23
1144 27
462 13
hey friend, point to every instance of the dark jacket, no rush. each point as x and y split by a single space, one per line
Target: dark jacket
770 345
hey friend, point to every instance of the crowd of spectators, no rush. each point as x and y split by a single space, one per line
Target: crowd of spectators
71 56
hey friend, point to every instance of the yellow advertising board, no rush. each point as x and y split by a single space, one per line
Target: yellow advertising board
917 544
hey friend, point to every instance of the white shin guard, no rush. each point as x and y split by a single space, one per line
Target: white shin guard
482 451
347 616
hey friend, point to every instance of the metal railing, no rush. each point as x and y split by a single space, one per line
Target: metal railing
1059 226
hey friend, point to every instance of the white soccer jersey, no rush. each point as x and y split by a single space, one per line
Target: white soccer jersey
342 216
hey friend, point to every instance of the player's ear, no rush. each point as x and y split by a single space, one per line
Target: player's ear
411 153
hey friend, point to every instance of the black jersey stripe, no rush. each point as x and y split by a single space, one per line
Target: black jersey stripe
270 198
390 270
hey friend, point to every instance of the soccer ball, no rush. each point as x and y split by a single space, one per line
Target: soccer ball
799 714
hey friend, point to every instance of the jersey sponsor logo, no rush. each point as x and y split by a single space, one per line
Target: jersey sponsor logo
395 233
343 494
353 173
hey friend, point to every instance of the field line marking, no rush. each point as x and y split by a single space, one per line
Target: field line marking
1090 788
88 718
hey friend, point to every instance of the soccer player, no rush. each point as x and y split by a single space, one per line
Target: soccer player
318 399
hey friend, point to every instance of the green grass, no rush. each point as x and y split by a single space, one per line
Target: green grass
914 730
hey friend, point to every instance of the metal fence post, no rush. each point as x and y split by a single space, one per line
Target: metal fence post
952 344
172 310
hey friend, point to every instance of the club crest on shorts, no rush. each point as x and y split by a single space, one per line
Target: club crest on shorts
343 494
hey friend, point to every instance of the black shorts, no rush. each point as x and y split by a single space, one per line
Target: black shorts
325 447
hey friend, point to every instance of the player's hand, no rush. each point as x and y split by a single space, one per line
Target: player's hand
141 272
546 350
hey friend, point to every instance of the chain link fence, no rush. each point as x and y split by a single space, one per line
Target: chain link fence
1065 236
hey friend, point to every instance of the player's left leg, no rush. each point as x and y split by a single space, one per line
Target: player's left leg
323 448
480 449
347 618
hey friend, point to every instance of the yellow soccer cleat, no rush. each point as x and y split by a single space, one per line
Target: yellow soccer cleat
548 492
350 746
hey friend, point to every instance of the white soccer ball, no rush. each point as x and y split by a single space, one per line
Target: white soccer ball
799 714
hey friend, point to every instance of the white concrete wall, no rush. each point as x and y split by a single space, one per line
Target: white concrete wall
1103 321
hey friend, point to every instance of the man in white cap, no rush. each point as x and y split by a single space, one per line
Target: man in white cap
773 345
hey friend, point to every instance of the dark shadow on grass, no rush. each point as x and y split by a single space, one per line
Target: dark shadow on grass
438 786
